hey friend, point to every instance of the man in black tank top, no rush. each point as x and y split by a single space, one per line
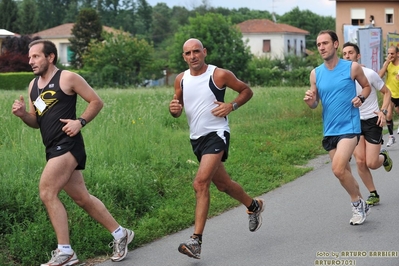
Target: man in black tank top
52 109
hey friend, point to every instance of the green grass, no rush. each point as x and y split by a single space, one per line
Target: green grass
140 165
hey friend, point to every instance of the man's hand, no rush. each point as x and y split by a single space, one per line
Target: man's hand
72 127
175 107
223 109
19 107
381 119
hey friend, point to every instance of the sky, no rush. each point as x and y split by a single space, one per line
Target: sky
319 7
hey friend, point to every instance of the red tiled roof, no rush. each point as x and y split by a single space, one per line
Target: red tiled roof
268 26
64 31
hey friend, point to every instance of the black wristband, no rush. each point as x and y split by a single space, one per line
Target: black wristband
361 97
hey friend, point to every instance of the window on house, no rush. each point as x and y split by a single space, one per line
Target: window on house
295 47
358 16
70 54
266 46
389 15
288 46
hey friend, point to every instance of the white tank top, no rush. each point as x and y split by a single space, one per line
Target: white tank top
199 95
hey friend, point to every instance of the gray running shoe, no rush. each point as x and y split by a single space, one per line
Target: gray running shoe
387 161
120 246
59 258
255 218
359 213
191 248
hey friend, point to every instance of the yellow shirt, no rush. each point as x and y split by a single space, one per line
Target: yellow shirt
391 81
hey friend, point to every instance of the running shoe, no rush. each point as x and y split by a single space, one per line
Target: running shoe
191 247
359 213
373 199
387 161
120 246
59 258
255 218
391 141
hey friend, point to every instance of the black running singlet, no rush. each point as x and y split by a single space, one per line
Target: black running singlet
58 105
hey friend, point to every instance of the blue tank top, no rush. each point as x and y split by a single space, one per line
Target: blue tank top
336 89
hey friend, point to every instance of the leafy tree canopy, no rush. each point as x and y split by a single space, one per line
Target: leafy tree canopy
121 60
8 15
307 20
87 27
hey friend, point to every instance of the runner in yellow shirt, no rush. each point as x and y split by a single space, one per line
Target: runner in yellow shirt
391 69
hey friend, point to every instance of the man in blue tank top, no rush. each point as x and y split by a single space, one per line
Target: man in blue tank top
52 109
333 83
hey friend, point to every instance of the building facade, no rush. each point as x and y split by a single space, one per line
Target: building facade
273 40
366 13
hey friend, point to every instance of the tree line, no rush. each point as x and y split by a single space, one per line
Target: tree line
158 30
154 23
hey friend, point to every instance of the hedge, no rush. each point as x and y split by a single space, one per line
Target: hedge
15 80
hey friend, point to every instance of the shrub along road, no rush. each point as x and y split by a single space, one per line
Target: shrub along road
305 222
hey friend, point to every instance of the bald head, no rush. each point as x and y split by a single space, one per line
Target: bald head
193 42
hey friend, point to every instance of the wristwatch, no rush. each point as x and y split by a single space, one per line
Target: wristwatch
82 121
235 106
384 111
362 98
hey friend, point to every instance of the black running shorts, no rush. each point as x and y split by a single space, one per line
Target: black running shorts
211 144
75 147
371 131
331 142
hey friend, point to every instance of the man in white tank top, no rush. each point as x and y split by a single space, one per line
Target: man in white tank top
368 151
200 90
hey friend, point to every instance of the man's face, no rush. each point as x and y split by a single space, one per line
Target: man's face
194 54
325 46
37 60
349 53
392 54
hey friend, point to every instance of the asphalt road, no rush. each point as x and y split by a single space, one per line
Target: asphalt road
305 222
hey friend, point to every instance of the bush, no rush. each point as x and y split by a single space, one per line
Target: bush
14 62
15 81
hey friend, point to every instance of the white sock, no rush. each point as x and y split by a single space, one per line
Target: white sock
118 233
65 248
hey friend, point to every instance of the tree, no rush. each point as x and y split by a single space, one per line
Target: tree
121 60
72 12
179 16
28 17
307 20
144 18
222 39
88 28
161 22
9 15
15 55
118 14
52 12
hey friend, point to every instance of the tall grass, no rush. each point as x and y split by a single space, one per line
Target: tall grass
140 164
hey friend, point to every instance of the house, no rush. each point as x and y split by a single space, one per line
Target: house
59 36
270 39
366 13
3 35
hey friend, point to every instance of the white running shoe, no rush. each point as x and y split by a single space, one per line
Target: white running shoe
120 246
391 141
359 213
59 258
